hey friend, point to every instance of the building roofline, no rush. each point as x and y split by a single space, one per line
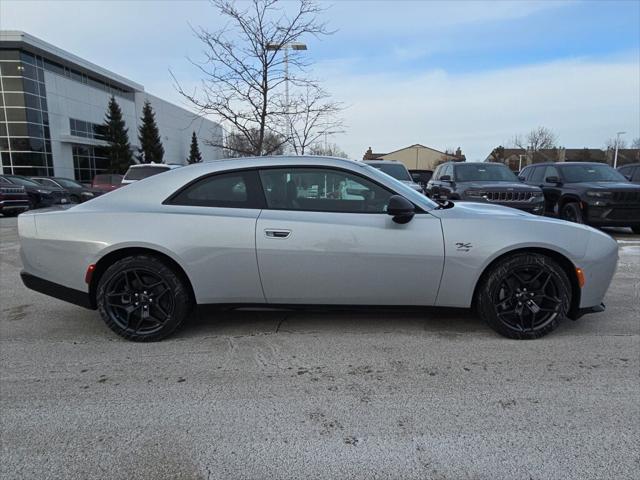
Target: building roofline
418 145
20 39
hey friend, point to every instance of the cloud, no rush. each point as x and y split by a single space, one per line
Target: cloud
584 101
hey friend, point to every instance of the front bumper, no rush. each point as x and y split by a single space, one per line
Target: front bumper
56 290
612 215
13 205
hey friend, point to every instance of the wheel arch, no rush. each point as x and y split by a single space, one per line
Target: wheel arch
113 256
564 262
568 198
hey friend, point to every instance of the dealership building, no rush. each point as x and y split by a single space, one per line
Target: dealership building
53 105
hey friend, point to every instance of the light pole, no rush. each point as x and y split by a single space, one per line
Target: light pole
286 47
615 155
326 134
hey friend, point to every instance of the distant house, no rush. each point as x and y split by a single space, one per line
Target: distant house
517 158
417 157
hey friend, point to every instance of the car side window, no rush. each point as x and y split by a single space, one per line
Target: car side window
436 174
227 190
525 173
322 190
635 177
47 182
550 171
537 176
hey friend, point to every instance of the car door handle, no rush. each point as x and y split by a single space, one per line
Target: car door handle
270 233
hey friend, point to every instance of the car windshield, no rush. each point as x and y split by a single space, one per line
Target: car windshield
65 182
482 172
139 173
397 171
591 173
24 181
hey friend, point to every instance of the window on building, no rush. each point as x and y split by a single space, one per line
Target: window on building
88 161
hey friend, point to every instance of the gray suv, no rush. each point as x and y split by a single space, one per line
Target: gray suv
396 170
484 182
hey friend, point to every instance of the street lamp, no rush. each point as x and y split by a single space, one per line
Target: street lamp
326 134
615 155
286 47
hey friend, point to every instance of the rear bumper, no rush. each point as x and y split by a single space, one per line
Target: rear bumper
56 290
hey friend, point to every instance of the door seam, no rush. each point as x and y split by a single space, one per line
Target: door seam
255 249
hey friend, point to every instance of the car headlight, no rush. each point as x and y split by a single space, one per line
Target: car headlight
44 192
535 196
599 194
87 194
474 193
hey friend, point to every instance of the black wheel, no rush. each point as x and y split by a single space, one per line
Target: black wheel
572 213
11 213
524 296
142 299
74 199
636 229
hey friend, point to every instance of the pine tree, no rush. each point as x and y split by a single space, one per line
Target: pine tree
117 134
151 149
194 153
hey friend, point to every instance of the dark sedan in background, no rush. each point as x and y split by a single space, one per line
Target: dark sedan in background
631 172
39 195
587 192
484 182
78 193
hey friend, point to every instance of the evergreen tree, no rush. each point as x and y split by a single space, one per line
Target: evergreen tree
151 149
194 153
117 134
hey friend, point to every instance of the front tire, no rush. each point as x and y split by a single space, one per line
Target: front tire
524 296
571 212
142 299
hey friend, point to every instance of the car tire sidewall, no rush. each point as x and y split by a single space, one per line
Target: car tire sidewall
493 278
177 285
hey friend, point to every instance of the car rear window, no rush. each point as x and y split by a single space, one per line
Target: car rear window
398 171
139 173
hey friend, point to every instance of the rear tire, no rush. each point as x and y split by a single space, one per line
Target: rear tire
143 299
524 296
571 212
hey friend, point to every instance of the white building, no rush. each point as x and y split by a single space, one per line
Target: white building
53 103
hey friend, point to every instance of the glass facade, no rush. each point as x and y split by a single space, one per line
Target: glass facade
80 128
25 141
89 161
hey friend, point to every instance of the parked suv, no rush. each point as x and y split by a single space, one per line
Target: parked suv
78 193
396 170
39 195
106 182
591 193
632 172
484 182
144 170
13 198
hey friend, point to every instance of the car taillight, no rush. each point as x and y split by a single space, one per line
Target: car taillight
89 274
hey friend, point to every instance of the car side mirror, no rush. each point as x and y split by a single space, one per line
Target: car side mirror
445 178
401 209
628 177
555 180
522 179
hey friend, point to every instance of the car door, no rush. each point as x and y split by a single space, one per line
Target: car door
325 238
552 190
433 186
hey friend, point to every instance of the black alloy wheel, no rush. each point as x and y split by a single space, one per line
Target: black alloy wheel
525 296
142 299
571 212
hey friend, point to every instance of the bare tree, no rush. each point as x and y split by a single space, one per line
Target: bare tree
327 150
240 144
635 143
537 139
312 116
244 70
610 144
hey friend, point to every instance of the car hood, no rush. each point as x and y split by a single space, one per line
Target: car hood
617 186
506 186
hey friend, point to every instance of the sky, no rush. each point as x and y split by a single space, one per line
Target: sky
466 74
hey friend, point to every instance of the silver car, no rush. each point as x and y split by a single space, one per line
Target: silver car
308 231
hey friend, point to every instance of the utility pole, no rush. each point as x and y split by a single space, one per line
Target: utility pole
615 155
286 47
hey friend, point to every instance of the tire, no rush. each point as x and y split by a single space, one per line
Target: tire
515 287
74 199
126 294
571 212
636 229
11 213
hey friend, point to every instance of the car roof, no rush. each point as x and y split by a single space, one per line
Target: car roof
629 165
382 162
169 166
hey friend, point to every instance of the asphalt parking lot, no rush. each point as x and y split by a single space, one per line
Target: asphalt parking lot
318 395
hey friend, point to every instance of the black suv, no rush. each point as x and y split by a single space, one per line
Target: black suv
484 182
39 195
583 192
